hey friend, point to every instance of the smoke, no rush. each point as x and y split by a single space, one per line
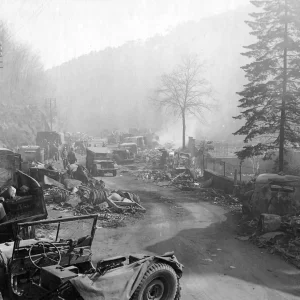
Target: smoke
172 132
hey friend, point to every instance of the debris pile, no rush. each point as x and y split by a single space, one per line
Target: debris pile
278 234
151 156
184 180
154 175
92 197
181 178
220 198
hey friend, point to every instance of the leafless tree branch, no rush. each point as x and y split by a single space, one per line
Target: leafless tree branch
185 91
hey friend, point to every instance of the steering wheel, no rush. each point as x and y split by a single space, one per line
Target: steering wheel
52 255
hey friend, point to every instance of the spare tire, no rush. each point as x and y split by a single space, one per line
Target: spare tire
159 283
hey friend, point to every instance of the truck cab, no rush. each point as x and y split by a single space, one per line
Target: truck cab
99 161
27 204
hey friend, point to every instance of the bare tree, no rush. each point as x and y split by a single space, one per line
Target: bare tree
184 92
24 78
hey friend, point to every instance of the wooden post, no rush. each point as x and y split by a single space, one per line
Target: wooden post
235 177
240 171
235 182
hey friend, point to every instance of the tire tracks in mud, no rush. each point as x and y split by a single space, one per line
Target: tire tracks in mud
217 266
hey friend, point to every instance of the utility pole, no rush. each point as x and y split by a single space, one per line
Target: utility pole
52 103
283 103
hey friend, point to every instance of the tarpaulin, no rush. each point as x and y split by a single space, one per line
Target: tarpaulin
114 285
119 283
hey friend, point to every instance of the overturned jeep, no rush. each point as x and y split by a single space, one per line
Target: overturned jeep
57 264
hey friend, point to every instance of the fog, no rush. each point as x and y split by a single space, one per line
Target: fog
164 127
102 60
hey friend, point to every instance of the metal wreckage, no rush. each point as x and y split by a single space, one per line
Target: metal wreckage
52 259
59 266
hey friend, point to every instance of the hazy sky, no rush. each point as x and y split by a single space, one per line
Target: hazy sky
62 29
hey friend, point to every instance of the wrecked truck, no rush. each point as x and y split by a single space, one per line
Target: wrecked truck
57 264
21 196
99 161
122 156
273 194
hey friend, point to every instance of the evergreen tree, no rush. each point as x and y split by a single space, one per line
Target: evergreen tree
270 102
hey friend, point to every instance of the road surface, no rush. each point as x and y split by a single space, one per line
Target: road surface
217 266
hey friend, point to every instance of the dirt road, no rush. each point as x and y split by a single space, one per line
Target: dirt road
217 266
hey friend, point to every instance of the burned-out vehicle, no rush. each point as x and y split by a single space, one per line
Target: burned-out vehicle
272 194
21 196
122 156
140 141
131 147
102 167
97 142
99 161
31 153
51 137
57 264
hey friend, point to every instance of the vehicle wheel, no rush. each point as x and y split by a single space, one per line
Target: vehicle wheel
114 173
94 171
178 293
158 283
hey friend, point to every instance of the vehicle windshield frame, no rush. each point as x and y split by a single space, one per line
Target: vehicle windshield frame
58 221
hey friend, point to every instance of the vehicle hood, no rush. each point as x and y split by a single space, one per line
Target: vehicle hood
121 283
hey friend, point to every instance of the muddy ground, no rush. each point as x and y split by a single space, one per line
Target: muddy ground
203 237
217 265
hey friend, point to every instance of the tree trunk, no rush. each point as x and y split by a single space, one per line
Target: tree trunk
183 130
282 117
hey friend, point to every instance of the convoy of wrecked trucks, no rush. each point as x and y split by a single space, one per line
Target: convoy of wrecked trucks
56 267
26 262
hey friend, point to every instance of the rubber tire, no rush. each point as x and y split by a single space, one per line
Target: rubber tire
114 173
154 272
178 293
94 171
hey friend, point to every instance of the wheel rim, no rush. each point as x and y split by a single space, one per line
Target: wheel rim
155 290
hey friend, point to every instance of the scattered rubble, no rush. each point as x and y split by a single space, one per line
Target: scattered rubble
181 178
92 197
278 234
220 198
